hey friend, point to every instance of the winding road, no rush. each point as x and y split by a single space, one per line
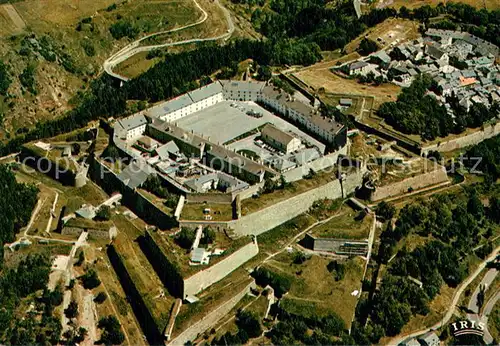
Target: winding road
474 306
134 47
451 310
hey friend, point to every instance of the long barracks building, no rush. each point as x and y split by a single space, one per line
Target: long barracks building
304 115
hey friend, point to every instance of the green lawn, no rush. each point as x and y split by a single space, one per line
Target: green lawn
347 226
314 290
219 212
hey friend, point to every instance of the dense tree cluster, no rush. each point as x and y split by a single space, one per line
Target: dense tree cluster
103 214
386 210
484 158
457 223
16 203
295 329
17 327
280 283
312 21
123 28
4 78
185 238
90 279
28 79
367 46
417 112
337 268
155 185
111 331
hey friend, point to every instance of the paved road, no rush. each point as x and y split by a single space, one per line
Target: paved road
485 282
134 48
486 313
456 297
473 306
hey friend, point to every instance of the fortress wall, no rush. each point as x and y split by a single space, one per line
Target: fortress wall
273 216
217 272
464 141
211 319
218 225
420 181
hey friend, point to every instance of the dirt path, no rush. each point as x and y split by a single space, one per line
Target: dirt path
88 315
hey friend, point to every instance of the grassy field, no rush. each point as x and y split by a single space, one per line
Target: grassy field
359 103
218 211
332 83
314 290
389 31
350 225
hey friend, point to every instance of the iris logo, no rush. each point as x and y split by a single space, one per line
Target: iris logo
467 327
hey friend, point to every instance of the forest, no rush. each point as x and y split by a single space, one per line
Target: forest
455 224
484 158
17 201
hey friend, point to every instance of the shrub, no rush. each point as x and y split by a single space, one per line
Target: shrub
100 298
90 279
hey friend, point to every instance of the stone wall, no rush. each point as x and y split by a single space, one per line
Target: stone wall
151 330
273 216
418 182
464 141
211 319
205 278
217 225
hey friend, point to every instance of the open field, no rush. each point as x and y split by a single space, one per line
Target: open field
219 212
314 290
347 226
278 237
360 104
157 15
135 65
10 21
389 31
324 78
489 4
